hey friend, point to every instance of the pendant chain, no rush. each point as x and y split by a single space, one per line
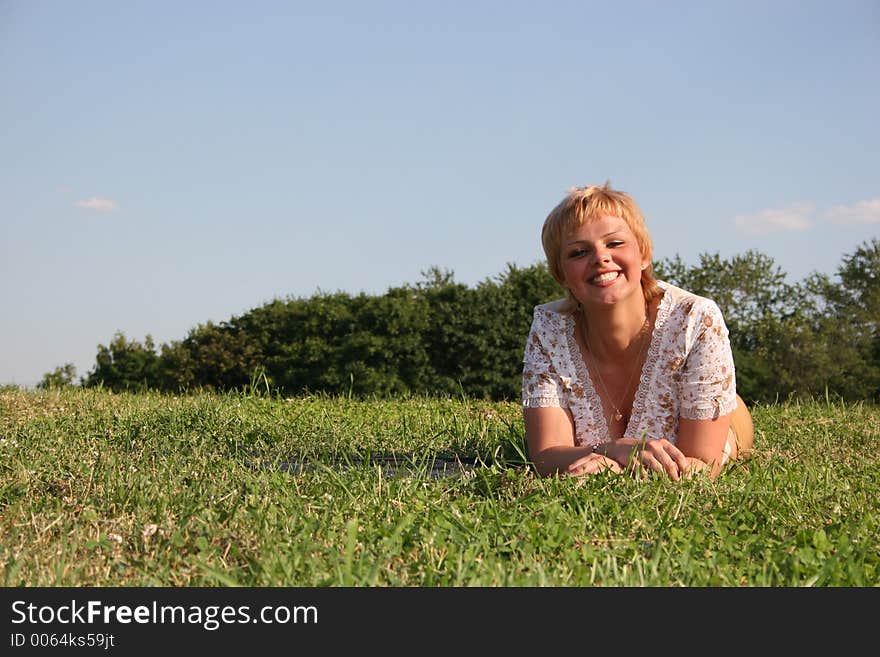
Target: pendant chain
617 414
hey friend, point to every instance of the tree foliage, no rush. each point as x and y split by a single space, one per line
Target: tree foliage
816 337
126 365
439 336
61 377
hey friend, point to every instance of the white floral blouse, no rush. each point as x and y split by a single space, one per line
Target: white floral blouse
688 372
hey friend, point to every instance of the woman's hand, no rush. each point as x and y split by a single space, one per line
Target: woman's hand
592 463
645 456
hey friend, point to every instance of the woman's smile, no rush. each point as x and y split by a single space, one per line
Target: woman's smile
605 279
601 261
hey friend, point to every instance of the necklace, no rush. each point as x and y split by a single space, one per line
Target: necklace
617 414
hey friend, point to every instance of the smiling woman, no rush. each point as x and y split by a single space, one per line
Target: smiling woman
627 372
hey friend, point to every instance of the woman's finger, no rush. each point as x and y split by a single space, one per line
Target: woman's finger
661 462
592 464
665 457
668 465
577 465
678 456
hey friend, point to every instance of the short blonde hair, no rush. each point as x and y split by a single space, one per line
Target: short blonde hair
583 204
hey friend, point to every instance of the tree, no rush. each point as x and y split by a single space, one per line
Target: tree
60 377
126 365
212 356
848 318
756 302
806 339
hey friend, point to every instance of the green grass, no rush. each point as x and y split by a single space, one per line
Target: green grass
100 489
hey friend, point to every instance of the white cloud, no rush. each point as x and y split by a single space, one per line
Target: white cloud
863 212
101 204
795 217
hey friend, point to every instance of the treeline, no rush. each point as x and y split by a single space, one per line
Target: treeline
438 336
816 337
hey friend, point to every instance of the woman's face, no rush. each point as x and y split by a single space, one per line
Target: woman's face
601 262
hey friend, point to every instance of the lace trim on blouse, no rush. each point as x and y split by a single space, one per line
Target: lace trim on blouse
545 401
653 357
583 374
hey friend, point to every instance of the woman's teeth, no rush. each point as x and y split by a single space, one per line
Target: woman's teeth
605 278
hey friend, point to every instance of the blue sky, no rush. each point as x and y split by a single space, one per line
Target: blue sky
163 164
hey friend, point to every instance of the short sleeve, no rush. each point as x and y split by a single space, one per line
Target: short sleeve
708 380
542 386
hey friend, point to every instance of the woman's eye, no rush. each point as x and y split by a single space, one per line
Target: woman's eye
615 243
577 253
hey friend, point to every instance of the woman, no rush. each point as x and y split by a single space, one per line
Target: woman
627 372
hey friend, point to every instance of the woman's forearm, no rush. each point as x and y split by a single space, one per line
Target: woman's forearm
556 459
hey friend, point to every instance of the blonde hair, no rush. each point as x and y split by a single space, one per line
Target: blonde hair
583 204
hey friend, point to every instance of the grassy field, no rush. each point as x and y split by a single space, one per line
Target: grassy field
101 489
